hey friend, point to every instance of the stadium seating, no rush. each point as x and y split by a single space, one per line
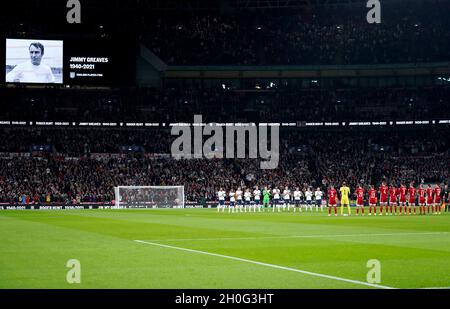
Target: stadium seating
216 104
86 164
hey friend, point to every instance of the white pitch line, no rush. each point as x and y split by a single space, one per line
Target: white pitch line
298 236
268 265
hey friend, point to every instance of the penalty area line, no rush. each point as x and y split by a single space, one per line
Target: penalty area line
267 265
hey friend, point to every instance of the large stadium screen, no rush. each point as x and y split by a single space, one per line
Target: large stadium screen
68 61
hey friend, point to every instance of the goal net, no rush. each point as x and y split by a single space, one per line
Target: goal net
149 197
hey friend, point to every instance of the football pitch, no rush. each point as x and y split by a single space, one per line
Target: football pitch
203 249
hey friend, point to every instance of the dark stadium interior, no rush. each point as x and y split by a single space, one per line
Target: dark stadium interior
179 104
231 61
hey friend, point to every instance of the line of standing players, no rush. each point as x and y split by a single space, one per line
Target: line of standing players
390 200
394 200
275 199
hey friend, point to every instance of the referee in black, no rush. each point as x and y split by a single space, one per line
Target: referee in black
445 197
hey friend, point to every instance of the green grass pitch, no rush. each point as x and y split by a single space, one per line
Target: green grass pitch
252 250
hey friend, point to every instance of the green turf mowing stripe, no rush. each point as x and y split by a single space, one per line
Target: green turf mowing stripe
268 265
297 236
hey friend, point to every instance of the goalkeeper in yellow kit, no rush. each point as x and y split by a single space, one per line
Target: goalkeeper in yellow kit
345 192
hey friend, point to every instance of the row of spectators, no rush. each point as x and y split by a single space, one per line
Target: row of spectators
78 142
75 142
219 105
307 159
409 32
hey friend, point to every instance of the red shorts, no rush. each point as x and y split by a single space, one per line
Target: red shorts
373 202
383 199
403 199
332 202
393 200
412 201
429 202
437 201
360 203
422 201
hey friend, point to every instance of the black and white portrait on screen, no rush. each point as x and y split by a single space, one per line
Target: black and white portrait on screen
34 61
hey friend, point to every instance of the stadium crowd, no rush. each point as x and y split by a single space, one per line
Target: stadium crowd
308 158
174 104
409 32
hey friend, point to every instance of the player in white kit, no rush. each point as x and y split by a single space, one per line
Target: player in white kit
221 195
276 199
309 195
232 196
247 200
239 199
287 199
298 199
257 199
318 195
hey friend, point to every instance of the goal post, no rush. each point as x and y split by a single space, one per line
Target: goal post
149 197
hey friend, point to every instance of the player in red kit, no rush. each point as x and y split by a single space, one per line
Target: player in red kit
437 199
411 198
393 192
402 198
429 193
332 200
372 201
383 197
421 194
360 200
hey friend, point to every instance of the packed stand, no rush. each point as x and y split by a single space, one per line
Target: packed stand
174 104
409 32
307 158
